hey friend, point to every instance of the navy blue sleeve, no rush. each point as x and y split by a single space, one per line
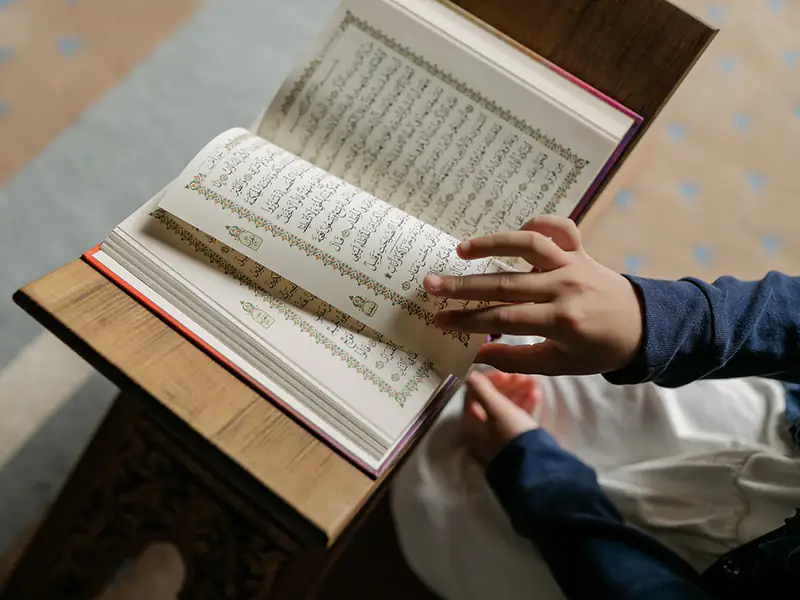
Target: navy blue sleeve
730 328
554 500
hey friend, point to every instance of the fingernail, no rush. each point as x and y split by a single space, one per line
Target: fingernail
433 283
474 376
464 246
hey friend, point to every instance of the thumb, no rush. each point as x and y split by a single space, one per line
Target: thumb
545 358
498 408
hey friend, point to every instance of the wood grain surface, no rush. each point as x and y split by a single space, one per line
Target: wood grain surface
147 359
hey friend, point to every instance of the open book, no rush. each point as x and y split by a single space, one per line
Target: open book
295 253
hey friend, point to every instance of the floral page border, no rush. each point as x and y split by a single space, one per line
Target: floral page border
218 261
523 126
328 260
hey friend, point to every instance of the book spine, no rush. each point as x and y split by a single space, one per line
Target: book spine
588 198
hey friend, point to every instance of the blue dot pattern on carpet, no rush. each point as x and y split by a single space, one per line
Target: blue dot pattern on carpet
676 131
771 244
741 122
755 181
633 264
775 5
717 13
703 255
623 199
717 190
689 190
791 58
727 64
67 46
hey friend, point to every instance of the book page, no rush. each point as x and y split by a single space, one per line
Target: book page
363 256
376 380
401 110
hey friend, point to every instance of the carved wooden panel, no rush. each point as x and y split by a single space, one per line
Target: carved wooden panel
147 491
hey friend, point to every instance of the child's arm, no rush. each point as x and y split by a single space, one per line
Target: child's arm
554 500
631 329
730 328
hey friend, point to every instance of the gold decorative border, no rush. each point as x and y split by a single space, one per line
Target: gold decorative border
294 241
578 164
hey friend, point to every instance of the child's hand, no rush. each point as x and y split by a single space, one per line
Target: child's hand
497 408
589 314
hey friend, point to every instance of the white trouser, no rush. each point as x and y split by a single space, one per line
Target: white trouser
704 468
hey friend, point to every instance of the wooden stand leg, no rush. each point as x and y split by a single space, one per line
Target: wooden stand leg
133 487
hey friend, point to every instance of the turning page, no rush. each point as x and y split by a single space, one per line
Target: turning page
426 110
363 256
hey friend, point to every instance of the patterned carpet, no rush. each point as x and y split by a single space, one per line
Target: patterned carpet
102 102
713 188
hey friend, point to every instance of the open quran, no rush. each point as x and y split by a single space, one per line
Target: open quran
295 252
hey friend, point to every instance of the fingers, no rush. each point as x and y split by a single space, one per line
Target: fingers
561 230
532 395
474 409
539 250
494 287
496 406
545 358
515 386
516 319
